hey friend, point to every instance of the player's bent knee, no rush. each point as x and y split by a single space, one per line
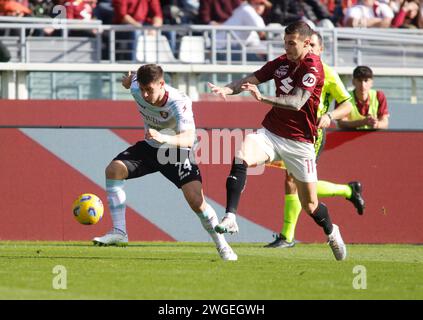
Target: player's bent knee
251 152
290 186
196 202
116 170
194 196
289 178
310 207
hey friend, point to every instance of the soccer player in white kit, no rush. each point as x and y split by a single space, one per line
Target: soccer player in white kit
169 138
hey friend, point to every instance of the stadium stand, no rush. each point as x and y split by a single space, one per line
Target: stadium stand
188 50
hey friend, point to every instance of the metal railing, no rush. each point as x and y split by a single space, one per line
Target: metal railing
70 65
120 43
102 80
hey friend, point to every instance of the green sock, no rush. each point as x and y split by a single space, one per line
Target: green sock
329 189
292 211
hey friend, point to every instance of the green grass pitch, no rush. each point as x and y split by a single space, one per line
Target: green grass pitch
167 270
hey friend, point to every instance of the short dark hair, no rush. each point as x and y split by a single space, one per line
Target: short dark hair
362 72
319 37
300 27
149 73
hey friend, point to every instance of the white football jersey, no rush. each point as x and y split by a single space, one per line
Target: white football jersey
174 117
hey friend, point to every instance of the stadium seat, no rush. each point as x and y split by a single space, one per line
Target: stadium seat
12 44
192 49
54 49
152 49
58 49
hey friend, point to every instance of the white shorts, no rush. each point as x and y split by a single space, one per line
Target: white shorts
299 157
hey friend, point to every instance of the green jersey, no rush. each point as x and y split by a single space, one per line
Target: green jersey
373 108
333 89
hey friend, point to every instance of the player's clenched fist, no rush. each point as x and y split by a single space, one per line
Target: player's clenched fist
153 134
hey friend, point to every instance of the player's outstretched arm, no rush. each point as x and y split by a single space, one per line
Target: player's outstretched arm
294 101
234 87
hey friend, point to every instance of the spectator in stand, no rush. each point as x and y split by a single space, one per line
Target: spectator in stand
81 10
311 11
337 9
14 9
104 11
250 14
136 13
393 4
216 11
369 14
370 109
25 3
284 12
180 11
41 8
316 12
409 15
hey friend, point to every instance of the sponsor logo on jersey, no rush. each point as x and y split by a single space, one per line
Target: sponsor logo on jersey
149 118
164 114
281 71
309 80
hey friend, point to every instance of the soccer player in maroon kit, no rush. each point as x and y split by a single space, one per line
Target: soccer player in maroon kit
288 132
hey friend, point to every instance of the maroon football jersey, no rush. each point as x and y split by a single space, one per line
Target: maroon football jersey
308 74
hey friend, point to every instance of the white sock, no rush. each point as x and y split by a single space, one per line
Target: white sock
209 220
231 215
116 198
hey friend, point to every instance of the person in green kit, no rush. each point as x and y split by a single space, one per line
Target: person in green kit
370 109
333 89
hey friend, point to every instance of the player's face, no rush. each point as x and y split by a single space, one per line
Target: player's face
295 46
153 92
315 46
363 86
